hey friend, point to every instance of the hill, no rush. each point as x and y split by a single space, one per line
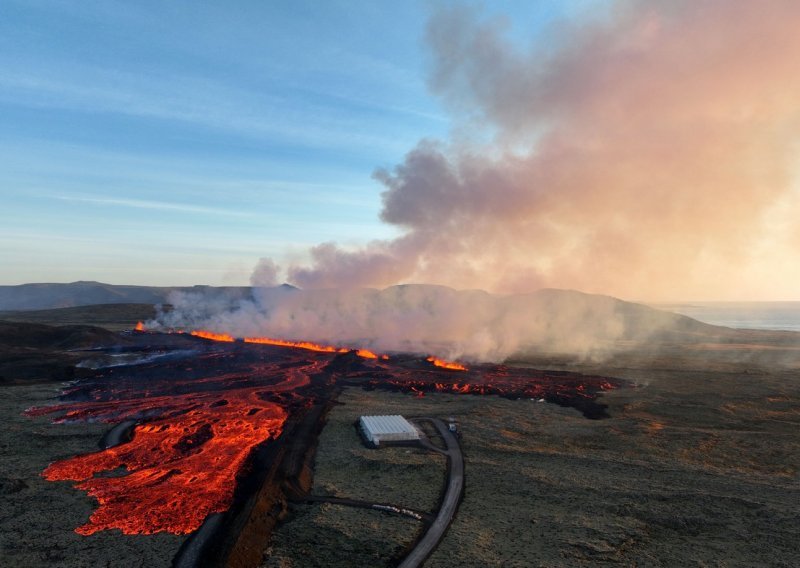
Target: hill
36 352
42 296
115 317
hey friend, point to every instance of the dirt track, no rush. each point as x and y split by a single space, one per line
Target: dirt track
452 496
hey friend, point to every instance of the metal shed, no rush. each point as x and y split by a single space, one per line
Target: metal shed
380 429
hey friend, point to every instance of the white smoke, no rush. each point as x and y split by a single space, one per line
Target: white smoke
470 325
265 273
650 154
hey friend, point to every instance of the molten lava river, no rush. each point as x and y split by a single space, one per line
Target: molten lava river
199 417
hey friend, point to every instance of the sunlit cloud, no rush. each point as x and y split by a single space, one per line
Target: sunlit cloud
641 155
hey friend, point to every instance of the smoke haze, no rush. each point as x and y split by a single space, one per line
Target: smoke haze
649 154
472 325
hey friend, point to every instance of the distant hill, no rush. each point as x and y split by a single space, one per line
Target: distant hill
83 293
115 317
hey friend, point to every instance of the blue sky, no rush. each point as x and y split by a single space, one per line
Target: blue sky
175 143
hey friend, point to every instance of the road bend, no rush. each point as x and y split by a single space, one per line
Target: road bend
452 496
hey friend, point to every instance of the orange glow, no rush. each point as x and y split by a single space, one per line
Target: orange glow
179 468
308 345
298 344
139 326
213 336
452 365
199 420
366 354
187 451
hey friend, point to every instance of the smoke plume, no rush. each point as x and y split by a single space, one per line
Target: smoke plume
265 273
648 154
455 324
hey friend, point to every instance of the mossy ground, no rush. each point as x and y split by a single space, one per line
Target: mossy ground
38 517
692 469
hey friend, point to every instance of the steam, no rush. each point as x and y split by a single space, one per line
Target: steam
645 155
265 273
471 325
648 155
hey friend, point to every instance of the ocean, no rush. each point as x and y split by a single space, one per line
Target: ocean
742 315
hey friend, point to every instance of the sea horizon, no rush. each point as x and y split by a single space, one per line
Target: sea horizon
772 315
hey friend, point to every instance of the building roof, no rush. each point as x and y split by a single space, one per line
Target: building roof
388 425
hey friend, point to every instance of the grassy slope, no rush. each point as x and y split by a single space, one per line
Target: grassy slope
115 317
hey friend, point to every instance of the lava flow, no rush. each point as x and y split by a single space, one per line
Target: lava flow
307 345
179 468
452 365
194 435
201 415
213 336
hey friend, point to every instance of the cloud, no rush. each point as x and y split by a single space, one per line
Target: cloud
649 154
639 155
157 205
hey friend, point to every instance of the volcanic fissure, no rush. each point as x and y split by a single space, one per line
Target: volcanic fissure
209 424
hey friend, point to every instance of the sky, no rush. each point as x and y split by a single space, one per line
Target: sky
176 143
640 149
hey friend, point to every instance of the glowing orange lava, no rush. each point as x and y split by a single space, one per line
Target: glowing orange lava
194 437
307 345
199 419
178 469
213 336
139 326
367 354
452 365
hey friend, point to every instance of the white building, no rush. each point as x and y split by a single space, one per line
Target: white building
379 429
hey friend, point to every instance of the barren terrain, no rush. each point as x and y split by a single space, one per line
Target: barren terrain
695 465
38 516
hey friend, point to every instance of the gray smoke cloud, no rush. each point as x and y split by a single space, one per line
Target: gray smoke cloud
649 154
265 274
470 325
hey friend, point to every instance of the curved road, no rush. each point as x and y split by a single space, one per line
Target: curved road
452 496
386 507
